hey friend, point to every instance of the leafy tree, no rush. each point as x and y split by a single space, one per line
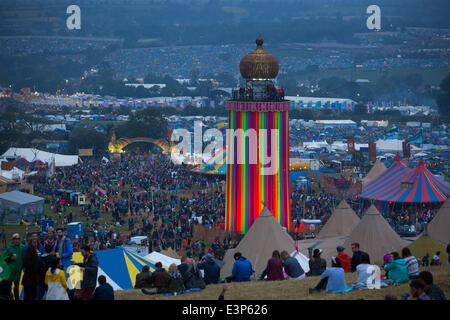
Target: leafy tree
148 123
88 138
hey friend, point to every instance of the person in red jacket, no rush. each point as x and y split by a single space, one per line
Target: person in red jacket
346 260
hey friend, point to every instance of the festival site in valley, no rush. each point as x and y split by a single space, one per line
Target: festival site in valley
224 150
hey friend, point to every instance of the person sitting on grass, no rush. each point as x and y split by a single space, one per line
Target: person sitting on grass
174 280
143 279
159 277
332 279
104 291
411 263
436 261
317 265
242 269
183 266
431 289
361 269
397 269
274 269
417 289
292 267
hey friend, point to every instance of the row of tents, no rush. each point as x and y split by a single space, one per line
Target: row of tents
373 232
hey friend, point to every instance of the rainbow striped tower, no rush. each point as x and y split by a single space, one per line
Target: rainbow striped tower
250 185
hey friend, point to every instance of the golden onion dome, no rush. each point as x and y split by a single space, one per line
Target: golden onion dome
259 64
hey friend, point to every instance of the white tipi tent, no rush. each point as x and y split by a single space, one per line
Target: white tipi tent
375 236
265 236
341 223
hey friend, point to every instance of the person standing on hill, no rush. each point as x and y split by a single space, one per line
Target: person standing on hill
64 249
11 263
31 268
345 259
89 267
56 282
356 256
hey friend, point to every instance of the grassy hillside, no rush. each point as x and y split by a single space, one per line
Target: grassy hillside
290 290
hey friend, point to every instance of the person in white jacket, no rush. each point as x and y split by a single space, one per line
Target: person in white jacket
55 279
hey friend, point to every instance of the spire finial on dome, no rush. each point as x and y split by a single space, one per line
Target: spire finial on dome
259 64
259 41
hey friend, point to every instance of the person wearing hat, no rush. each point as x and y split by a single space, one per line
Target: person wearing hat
11 263
345 259
211 269
317 265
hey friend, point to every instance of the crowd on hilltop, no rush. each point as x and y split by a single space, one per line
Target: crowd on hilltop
47 263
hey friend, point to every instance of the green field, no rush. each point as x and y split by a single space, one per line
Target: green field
431 76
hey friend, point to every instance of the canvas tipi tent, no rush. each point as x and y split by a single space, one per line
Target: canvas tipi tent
341 223
439 227
375 236
377 169
264 236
